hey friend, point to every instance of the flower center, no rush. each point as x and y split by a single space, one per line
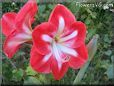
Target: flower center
56 38
58 45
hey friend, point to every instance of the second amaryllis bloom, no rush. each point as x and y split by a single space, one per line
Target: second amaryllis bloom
59 44
17 27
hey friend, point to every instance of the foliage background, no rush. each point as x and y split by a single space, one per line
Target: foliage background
97 20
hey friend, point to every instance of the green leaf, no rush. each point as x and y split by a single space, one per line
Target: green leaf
74 7
92 14
106 38
31 80
88 21
112 59
17 74
108 53
110 72
30 71
42 8
38 1
50 6
43 78
91 32
92 48
104 64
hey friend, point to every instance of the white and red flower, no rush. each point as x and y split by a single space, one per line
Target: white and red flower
59 44
17 27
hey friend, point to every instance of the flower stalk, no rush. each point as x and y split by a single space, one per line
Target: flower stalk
92 48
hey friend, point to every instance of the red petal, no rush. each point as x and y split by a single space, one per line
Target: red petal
37 63
22 32
28 10
61 11
8 23
81 34
13 42
58 73
47 29
77 62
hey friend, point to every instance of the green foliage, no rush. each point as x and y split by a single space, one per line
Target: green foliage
31 80
100 70
110 72
30 71
18 74
92 48
108 53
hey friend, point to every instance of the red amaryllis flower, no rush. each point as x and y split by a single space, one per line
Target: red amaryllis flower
17 27
59 44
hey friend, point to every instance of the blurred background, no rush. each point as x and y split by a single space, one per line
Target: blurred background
98 19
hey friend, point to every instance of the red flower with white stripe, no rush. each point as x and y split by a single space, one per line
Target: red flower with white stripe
17 27
59 44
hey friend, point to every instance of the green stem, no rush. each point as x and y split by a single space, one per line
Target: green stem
81 73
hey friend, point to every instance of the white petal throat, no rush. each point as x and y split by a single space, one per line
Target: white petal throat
61 25
71 36
46 38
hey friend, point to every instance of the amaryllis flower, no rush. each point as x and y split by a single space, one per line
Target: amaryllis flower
17 27
59 44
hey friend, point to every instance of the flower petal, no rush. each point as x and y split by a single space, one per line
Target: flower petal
28 10
61 17
56 71
18 37
68 37
8 23
80 60
38 62
67 50
42 34
23 30
79 38
13 42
